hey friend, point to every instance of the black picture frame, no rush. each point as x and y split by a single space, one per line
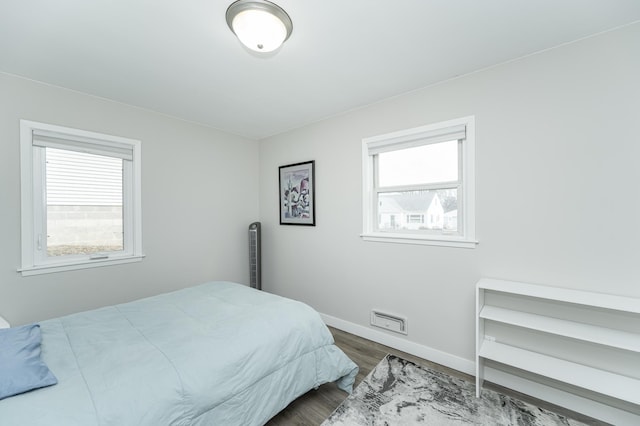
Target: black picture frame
297 192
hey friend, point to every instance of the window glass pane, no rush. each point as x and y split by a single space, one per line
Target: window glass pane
425 164
84 203
418 210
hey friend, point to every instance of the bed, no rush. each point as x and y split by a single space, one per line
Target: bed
216 354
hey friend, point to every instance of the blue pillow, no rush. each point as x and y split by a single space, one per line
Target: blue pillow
21 368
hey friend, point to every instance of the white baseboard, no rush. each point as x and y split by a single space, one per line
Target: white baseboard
555 396
422 351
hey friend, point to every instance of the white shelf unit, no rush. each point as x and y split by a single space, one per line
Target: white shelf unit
506 311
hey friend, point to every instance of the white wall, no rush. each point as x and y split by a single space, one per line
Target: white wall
557 201
198 193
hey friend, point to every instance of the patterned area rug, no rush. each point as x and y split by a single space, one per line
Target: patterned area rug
399 392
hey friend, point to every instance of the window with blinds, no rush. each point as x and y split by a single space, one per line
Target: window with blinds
80 198
418 185
84 203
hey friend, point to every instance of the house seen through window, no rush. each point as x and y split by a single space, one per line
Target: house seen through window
432 207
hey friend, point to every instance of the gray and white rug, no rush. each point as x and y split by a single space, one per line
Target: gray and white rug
399 392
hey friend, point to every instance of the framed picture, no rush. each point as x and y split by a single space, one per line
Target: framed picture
298 194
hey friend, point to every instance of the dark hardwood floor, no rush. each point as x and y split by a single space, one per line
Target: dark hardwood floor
315 406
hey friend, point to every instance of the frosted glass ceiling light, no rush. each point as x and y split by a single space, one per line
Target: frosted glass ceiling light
262 26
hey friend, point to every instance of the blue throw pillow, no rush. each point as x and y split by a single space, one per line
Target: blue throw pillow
21 368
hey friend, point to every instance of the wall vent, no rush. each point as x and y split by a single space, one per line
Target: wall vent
389 321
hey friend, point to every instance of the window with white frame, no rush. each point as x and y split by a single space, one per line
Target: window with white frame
419 185
80 199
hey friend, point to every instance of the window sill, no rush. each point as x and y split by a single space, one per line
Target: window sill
440 240
71 266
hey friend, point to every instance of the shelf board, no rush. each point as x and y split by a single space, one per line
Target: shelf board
604 382
601 300
575 330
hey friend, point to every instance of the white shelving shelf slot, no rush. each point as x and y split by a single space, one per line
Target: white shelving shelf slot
565 363
618 386
576 330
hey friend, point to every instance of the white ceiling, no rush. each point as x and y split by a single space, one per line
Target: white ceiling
180 58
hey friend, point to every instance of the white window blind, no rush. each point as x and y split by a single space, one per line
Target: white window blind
401 140
49 139
80 179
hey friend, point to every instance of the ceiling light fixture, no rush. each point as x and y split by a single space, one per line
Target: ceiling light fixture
262 26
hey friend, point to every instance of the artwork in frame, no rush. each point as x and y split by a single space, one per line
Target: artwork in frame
297 194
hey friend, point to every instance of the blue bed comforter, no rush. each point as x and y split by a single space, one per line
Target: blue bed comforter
216 354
